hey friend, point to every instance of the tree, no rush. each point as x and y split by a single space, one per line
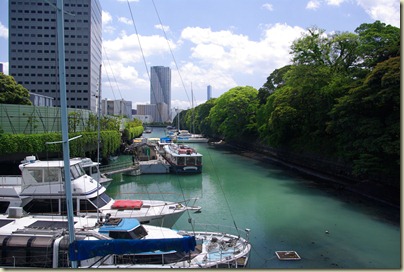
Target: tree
233 115
276 79
11 92
367 123
378 42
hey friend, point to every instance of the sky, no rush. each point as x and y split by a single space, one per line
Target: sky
222 43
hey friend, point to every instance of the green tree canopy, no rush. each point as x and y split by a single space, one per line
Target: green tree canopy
233 115
378 42
367 122
11 92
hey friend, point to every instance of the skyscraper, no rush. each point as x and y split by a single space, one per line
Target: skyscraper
160 91
33 52
209 92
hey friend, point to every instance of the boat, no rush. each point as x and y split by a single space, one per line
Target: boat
40 190
147 157
34 241
183 159
92 169
148 130
184 136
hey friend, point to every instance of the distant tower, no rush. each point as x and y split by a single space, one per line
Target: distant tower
160 90
209 92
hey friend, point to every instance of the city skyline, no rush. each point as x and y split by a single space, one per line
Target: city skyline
219 43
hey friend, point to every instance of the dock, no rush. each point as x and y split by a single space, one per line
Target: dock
118 168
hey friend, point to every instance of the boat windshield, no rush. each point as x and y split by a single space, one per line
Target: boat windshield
101 200
76 171
137 233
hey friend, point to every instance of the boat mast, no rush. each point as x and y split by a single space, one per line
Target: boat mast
192 103
64 121
99 136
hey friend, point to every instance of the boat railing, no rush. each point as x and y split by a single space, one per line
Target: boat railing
115 166
225 229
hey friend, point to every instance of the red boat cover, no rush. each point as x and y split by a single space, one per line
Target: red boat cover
127 204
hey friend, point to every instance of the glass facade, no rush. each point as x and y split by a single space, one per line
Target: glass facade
160 91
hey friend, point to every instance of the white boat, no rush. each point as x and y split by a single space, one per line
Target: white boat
92 169
184 136
40 190
183 159
42 242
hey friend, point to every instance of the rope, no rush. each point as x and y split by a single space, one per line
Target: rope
172 54
224 195
143 57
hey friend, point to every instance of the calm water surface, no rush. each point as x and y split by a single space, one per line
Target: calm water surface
284 210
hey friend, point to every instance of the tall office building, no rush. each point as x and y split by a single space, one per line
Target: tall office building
33 54
209 92
160 91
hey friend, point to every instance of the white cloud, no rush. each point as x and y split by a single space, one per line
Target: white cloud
387 11
162 27
268 6
106 18
126 48
106 22
3 31
313 4
222 59
125 20
334 2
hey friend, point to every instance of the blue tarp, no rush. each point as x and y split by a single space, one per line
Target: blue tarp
85 249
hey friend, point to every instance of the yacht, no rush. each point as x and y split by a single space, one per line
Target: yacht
92 169
40 190
37 241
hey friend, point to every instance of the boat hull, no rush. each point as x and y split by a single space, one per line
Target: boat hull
184 169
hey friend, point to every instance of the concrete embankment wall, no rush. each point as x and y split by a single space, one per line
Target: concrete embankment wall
334 173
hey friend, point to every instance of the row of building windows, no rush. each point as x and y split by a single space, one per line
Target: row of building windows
67 91
47 67
46 4
40 12
46 28
41 43
49 59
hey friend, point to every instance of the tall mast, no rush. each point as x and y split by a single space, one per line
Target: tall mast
64 121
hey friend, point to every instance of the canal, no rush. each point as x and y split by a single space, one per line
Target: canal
283 209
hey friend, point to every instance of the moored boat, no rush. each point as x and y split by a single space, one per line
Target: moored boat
183 159
40 190
42 242
92 169
184 136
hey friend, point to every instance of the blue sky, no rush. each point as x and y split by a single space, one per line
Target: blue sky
222 43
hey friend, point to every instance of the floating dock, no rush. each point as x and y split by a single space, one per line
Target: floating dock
287 255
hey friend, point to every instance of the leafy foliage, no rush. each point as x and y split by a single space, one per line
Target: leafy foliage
233 115
133 129
339 100
367 121
33 143
11 92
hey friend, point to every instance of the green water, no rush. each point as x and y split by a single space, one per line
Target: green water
284 210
